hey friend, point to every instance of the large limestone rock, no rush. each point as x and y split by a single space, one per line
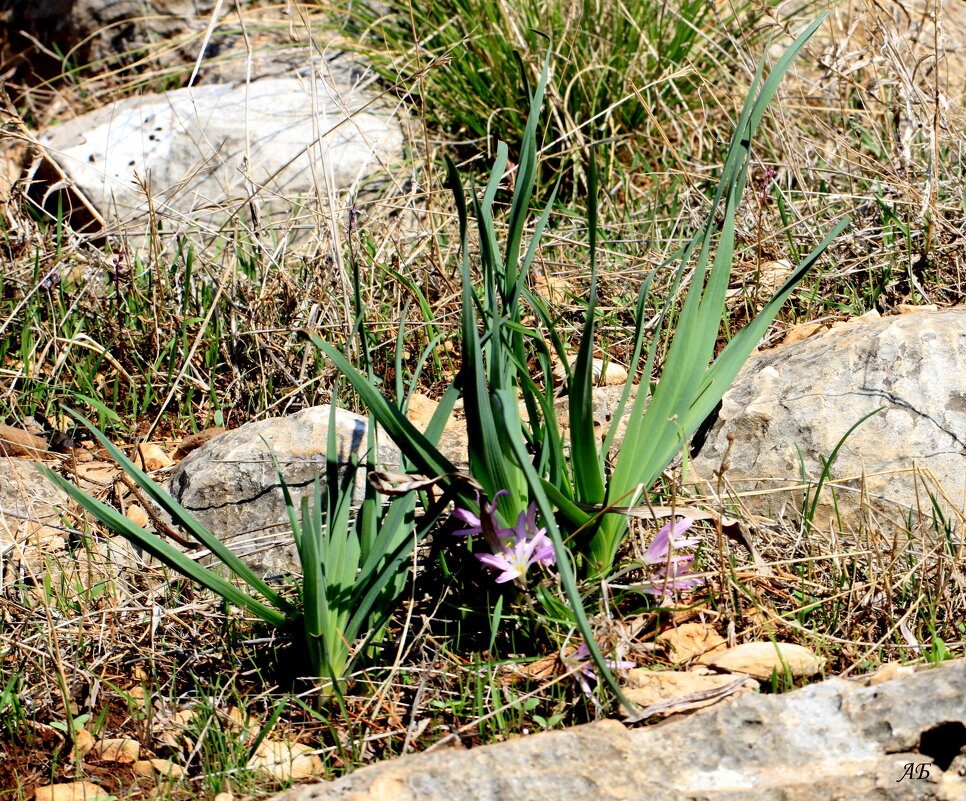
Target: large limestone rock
901 739
192 150
804 397
231 486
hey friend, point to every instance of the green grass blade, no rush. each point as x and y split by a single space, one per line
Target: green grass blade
187 521
587 466
314 605
526 177
167 554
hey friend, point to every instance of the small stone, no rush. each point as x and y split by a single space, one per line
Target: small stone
890 671
224 797
230 485
761 659
137 515
690 640
83 743
117 749
26 493
241 722
152 457
17 442
161 767
285 761
791 407
909 308
648 687
804 331
606 374
610 374
554 288
71 791
137 693
773 274
178 129
96 473
47 538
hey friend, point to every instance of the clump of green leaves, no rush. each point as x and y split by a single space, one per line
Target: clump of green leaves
518 458
614 62
354 566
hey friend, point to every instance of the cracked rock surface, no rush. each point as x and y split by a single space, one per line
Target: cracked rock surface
804 398
902 739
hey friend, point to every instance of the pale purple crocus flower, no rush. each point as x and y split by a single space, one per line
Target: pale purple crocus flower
513 550
526 529
582 665
517 556
672 574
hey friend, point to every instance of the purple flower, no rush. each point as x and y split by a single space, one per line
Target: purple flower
51 279
485 523
666 540
526 530
582 665
472 520
513 550
516 557
672 573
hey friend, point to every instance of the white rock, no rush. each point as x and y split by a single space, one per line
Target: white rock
805 396
189 146
833 739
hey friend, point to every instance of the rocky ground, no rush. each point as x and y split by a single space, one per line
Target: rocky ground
215 178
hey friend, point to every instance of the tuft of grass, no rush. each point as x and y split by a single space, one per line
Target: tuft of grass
617 67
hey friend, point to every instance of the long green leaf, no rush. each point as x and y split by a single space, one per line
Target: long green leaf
584 454
526 177
166 553
188 521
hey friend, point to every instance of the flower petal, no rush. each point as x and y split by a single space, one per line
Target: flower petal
667 539
509 570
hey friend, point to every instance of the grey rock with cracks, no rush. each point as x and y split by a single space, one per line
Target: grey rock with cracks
231 486
804 397
900 740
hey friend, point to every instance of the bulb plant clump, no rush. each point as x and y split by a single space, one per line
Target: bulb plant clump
539 508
